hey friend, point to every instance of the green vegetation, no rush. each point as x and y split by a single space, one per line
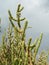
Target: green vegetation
14 49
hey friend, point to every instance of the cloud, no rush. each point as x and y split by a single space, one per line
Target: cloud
36 11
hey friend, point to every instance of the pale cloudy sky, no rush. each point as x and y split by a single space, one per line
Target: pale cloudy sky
36 11
37 14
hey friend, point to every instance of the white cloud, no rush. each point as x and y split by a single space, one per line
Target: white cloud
36 11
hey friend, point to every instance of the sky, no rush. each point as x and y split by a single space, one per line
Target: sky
36 12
